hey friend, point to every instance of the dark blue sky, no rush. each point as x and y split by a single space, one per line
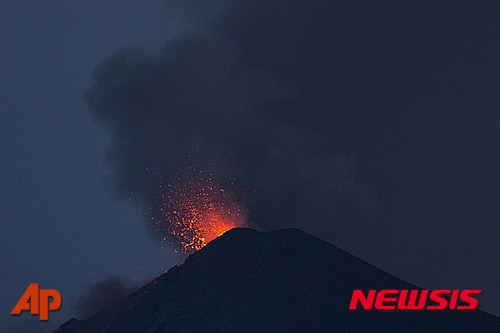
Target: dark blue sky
61 223
374 127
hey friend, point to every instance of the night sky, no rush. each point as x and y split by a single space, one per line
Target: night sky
373 126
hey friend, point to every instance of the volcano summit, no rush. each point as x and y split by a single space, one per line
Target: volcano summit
279 281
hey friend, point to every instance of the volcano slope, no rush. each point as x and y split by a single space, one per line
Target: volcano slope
279 281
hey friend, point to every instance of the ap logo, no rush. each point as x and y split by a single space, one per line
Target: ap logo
37 300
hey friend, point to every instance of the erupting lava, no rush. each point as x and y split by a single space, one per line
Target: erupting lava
194 210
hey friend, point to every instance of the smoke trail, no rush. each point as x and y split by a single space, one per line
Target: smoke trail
103 294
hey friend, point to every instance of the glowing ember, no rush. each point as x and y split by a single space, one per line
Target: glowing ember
195 210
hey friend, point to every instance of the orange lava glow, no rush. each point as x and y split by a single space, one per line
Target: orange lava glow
195 210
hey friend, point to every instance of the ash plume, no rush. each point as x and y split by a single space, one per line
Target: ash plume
205 101
286 103
102 294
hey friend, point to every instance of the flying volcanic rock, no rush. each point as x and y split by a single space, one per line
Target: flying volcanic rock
279 281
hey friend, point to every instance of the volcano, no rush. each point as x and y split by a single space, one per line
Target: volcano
278 281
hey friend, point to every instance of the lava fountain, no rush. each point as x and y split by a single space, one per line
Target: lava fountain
194 210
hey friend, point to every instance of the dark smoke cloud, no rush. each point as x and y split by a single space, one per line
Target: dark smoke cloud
325 114
200 94
103 294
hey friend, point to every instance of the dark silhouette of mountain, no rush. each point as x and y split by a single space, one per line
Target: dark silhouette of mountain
279 281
